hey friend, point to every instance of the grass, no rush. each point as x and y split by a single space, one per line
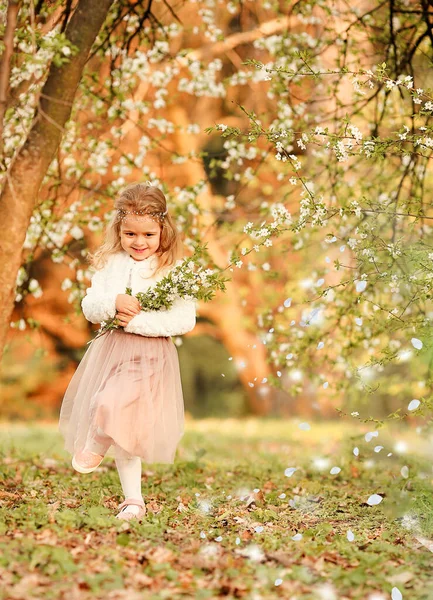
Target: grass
222 519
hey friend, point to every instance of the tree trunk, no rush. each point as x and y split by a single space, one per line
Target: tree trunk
19 195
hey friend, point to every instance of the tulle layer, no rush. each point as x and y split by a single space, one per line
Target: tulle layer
125 399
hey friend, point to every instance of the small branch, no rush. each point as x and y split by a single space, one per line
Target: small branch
5 64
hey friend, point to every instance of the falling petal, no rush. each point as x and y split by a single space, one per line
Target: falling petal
202 534
374 500
258 529
218 539
325 385
358 321
356 451
282 496
361 285
320 345
416 343
335 470
370 435
350 535
289 472
287 302
405 472
278 581
304 426
413 404
396 594
297 537
378 448
238 541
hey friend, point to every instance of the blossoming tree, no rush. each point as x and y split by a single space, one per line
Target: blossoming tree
293 142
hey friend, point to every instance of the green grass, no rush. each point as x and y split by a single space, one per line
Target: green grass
59 537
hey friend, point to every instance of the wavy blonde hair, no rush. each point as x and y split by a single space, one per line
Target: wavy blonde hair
148 200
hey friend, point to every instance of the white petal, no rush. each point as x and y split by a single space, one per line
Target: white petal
405 472
350 535
258 529
396 594
289 472
297 537
413 404
356 451
374 500
304 426
416 343
278 581
335 470
378 448
361 285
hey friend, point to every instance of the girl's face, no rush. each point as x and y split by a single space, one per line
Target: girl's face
140 236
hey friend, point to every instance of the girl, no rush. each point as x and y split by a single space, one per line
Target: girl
125 399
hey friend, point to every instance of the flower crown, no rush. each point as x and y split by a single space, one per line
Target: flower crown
156 215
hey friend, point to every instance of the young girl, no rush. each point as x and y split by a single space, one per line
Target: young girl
125 398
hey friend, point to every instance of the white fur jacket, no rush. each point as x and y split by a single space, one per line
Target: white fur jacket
122 271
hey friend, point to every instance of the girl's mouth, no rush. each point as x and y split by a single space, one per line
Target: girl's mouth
139 251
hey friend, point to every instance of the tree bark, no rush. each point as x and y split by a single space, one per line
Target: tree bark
26 174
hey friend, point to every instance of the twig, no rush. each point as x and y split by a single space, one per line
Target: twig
5 64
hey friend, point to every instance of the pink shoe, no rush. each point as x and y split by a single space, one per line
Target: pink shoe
127 516
86 461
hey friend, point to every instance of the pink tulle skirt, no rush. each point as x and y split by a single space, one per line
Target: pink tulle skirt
125 399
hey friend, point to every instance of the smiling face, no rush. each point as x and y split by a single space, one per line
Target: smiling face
140 236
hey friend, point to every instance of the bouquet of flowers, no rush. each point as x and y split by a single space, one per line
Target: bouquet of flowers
188 280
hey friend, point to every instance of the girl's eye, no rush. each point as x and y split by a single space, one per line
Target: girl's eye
128 233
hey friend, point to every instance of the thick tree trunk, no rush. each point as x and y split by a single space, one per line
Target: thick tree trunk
19 195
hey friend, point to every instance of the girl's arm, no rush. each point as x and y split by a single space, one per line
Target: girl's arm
98 304
177 320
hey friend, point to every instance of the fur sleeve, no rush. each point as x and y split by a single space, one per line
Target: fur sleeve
99 304
177 320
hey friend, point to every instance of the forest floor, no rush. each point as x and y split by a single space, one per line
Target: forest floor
232 518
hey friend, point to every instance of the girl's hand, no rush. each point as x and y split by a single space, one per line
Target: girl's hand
127 304
123 319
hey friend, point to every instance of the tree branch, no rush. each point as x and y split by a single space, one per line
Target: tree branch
5 64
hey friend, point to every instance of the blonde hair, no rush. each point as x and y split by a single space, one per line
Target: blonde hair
146 200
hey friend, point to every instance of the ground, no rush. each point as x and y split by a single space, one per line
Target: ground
230 519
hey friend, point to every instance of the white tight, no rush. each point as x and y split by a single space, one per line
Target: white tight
129 470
